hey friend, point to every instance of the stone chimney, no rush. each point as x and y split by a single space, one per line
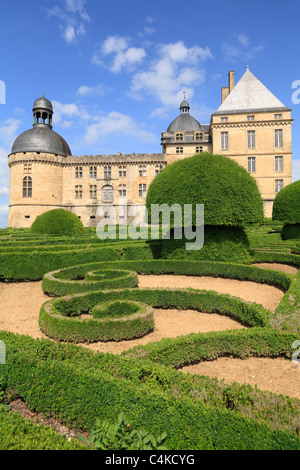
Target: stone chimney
228 89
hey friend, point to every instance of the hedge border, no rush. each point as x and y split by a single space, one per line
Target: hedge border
59 282
74 329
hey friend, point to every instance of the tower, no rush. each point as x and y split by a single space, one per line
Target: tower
36 168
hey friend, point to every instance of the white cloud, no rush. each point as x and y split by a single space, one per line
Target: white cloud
177 68
243 39
3 215
119 124
68 33
296 170
8 130
72 19
4 190
123 55
90 90
70 110
239 48
178 52
114 44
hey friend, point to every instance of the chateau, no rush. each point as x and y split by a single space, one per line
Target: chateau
251 126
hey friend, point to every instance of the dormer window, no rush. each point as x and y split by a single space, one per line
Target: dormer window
179 137
199 136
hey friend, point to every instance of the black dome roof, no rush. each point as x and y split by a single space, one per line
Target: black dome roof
184 122
41 138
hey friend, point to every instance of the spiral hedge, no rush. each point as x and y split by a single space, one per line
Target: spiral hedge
93 292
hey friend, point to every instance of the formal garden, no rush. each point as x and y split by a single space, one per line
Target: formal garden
92 334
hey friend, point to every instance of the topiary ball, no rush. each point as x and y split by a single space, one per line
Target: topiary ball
57 222
229 193
286 207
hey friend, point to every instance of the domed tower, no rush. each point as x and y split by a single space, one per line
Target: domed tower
36 168
185 136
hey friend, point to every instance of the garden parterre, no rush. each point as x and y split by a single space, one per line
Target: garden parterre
196 412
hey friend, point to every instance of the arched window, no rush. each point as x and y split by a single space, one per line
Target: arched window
27 186
179 149
107 193
179 137
199 149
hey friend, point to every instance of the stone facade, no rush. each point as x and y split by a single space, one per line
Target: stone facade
251 126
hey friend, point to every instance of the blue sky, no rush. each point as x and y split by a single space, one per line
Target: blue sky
115 71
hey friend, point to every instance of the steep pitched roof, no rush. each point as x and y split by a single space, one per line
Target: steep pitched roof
248 95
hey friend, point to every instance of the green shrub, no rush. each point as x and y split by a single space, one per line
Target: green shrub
115 309
57 222
290 231
221 243
121 436
286 206
62 323
229 194
78 386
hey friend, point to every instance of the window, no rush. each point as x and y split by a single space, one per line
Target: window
250 118
199 149
107 171
224 119
107 193
122 171
142 170
158 169
278 163
198 136
179 149
78 191
122 190
277 116
78 172
27 186
278 185
179 137
142 190
27 168
224 140
251 164
278 138
251 139
93 172
93 191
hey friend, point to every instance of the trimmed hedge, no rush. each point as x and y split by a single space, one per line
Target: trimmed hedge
57 222
290 231
66 326
18 433
19 266
108 279
286 206
229 194
78 386
221 243
63 281
60 319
